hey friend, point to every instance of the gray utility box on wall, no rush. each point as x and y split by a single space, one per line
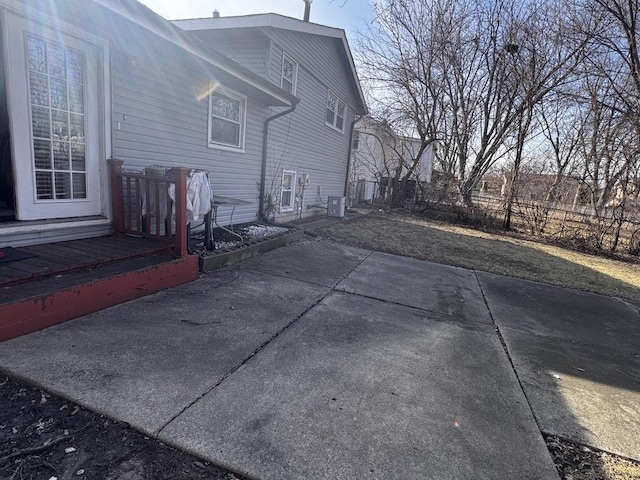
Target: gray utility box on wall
335 208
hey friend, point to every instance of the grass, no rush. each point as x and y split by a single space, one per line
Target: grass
502 254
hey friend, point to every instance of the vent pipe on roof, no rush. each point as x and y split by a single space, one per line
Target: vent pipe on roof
216 13
307 9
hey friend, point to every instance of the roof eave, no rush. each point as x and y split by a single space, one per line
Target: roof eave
267 92
274 20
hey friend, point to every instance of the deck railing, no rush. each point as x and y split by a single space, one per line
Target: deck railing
142 206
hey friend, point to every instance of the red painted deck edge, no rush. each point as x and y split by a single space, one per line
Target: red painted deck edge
34 314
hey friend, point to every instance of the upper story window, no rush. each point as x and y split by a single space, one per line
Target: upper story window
355 142
336 112
227 119
289 74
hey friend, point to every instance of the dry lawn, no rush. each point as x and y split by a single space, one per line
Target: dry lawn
416 237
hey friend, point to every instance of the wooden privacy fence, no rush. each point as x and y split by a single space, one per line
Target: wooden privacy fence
142 206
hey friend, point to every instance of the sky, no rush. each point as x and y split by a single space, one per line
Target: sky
350 15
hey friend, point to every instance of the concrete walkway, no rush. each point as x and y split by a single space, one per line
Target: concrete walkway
323 361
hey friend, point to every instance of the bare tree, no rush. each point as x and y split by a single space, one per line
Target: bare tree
613 92
465 74
496 83
399 70
561 122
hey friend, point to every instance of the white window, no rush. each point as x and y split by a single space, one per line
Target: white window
355 142
227 112
336 112
289 74
287 197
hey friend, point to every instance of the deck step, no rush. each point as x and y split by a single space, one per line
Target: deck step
57 258
44 302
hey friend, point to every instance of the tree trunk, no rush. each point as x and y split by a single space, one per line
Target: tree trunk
467 192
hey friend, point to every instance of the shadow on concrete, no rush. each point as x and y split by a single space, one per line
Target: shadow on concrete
576 354
270 363
363 388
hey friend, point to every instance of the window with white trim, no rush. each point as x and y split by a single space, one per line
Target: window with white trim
287 197
355 142
227 119
336 112
289 74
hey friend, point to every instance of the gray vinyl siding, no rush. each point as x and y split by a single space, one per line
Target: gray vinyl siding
60 232
250 48
302 142
322 58
157 118
167 125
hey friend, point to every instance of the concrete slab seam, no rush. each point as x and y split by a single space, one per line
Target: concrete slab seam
507 353
352 270
439 317
110 416
241 363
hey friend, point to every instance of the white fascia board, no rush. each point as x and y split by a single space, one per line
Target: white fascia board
276 21
260 20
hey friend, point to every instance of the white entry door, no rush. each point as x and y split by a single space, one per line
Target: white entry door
54 108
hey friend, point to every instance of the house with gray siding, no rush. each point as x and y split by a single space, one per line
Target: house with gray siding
82 81
308 150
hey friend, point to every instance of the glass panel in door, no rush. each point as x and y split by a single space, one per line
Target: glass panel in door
56 97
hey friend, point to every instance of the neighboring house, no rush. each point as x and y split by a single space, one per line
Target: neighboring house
378 155
492 185
540 187
82 81
308 149
630 192
533 187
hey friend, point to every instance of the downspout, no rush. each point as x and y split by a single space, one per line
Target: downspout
263 175
353 124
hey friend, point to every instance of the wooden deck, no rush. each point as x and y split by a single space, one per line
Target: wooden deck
70 279
56 258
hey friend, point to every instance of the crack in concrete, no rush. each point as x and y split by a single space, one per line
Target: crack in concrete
242 363
261 346
433 315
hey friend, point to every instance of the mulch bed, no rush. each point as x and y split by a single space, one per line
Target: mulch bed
43 436
226 241
579 462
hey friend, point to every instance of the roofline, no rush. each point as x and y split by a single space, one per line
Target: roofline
282 22
177 36
378 123
274 20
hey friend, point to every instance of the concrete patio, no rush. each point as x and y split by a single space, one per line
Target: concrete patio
318 360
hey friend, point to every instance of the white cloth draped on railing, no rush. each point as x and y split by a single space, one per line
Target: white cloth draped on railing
198 195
